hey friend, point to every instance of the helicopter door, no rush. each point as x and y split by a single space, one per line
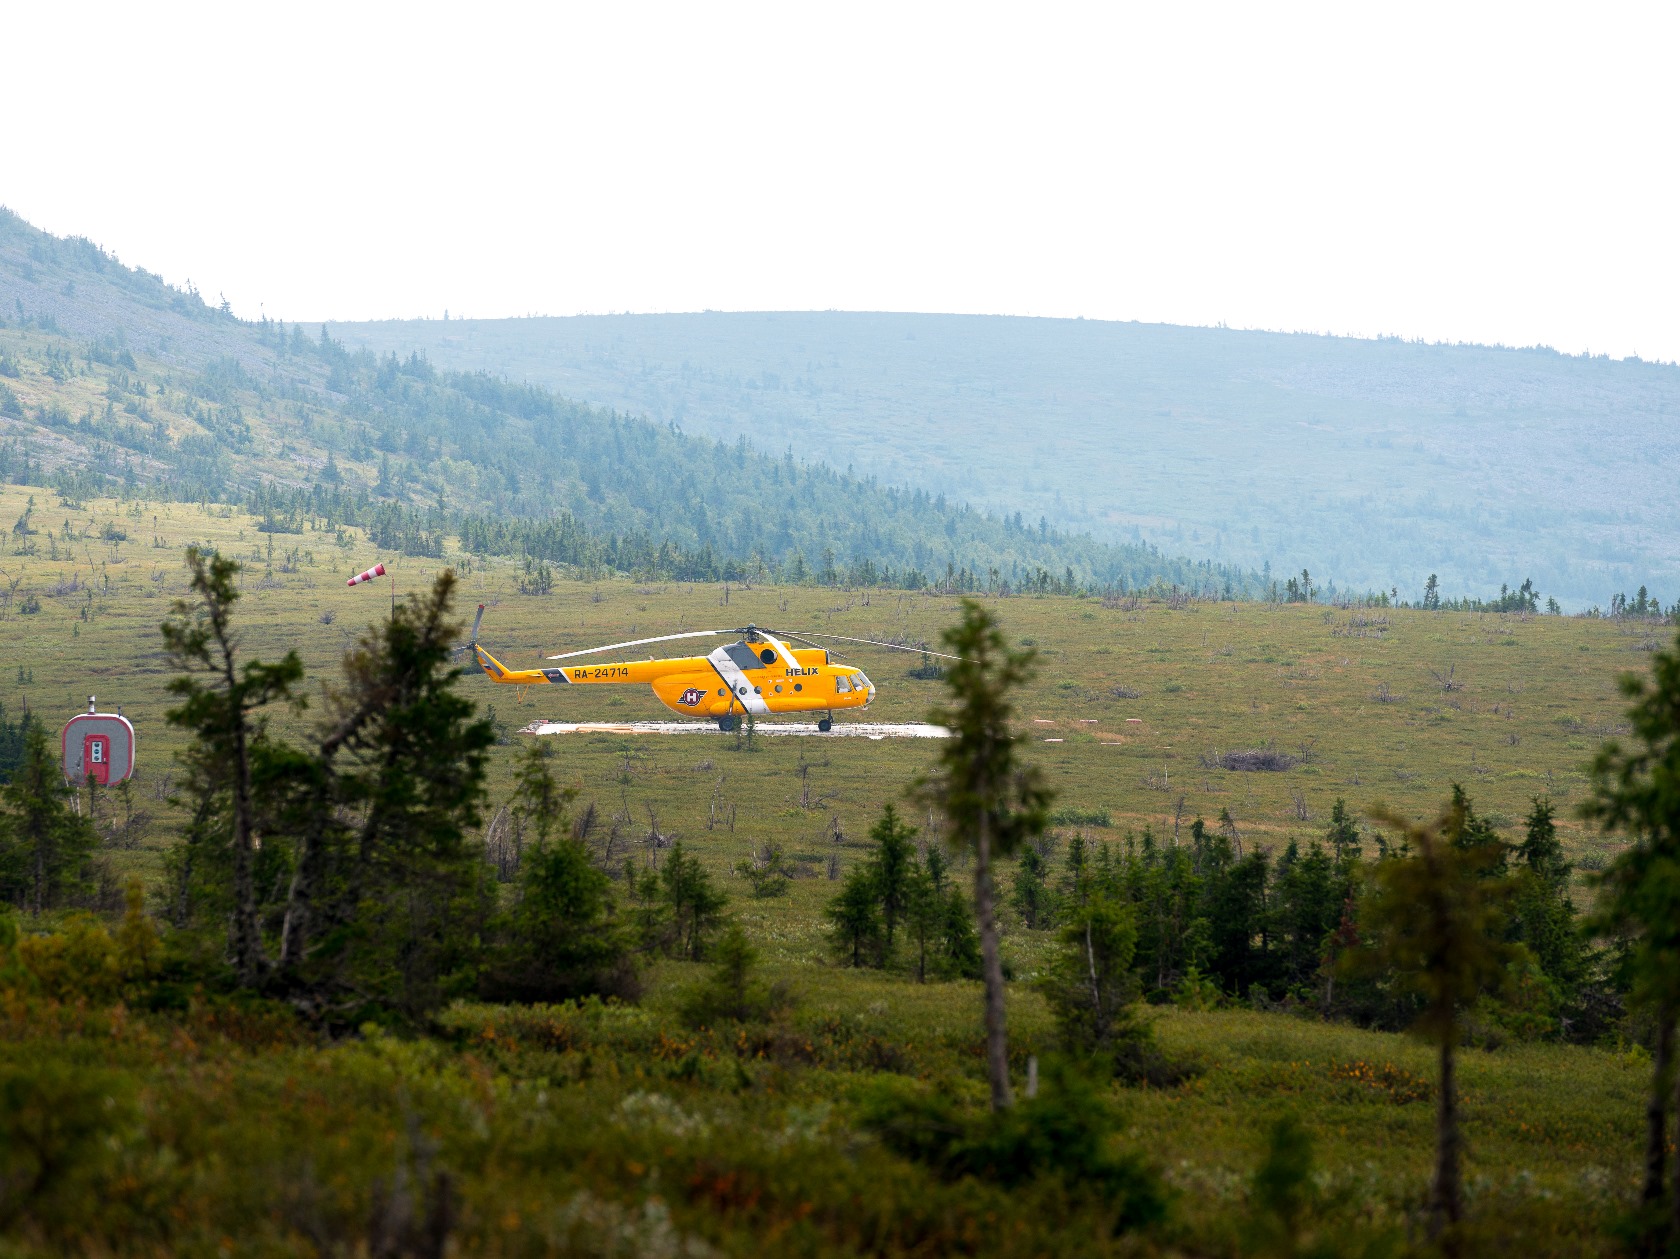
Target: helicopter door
730 663
96 756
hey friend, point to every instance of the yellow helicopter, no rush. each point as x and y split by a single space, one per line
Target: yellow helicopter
759 673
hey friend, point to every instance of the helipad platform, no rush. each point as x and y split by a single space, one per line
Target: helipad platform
764 729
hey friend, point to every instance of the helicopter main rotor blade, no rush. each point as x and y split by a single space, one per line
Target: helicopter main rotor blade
872 642
638 642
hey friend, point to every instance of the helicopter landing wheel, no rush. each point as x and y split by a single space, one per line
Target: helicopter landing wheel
727 724
825 724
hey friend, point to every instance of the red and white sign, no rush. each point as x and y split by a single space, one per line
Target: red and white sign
378 570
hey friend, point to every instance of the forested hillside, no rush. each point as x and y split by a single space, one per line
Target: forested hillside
110 377
1373 463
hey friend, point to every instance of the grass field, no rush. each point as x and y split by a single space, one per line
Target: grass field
1132 704
1129 703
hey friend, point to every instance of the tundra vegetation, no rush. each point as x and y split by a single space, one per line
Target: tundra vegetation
471 990
1240 914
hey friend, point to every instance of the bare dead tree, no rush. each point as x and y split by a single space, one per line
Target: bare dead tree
1446 681
585 825
717 801
656 838
501 845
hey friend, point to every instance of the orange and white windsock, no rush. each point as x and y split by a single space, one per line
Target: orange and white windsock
378 570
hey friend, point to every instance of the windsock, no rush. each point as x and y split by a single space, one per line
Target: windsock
378 570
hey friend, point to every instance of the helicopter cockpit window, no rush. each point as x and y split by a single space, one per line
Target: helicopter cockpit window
745 657
842 683
863 683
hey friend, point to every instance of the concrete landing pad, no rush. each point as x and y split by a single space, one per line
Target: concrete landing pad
776 729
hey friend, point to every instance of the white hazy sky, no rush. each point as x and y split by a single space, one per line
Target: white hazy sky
1456 172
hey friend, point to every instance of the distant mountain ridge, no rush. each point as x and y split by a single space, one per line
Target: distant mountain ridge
111 379
1373 463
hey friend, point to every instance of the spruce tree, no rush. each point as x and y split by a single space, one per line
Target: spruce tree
1032 897
1636 790
890 868
695 904
45 848
1090 983
221 702
387 906
1436 921
994 802
923 914
854 916
1545 919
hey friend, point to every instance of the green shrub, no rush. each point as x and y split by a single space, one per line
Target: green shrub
1067 1132
61 1135
1081 817
731 992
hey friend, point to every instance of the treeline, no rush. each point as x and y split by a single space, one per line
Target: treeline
1213 922
1275 928
513 470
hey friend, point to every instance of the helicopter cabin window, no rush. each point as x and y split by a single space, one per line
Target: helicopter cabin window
842 683
863 683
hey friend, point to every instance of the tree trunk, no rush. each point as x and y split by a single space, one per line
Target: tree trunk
1674 1206
1098 1019
312 850
40 874
306 881
1656 1107
1444 1194
991 965
246 935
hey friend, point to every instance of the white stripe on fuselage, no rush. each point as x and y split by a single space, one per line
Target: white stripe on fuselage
785 654
737 682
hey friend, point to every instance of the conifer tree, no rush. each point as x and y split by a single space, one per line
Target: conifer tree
1089 982
45 848
994 802
1436 921
540 800
923 914
1636 790
891 867
1545 911
386 856
855 918
220 705
695 904
1032 897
